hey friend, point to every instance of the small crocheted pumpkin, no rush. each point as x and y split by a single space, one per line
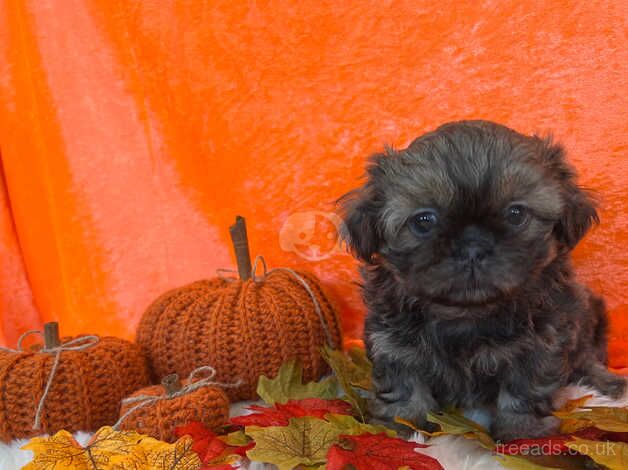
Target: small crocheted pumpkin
244 327
91 377
157 410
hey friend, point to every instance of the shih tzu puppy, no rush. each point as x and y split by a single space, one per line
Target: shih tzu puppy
465 240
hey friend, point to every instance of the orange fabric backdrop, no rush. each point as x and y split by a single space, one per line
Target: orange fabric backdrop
132 132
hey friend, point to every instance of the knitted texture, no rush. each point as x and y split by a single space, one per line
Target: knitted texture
244 329
85 393
208 405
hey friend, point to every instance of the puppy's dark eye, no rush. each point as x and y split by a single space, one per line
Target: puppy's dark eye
422 223
517 215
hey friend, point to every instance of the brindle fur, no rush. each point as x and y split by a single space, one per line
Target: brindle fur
504 331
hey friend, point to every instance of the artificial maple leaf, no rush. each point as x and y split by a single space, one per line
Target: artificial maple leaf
201 436
378 452
351 370
213 450
305 441
288 385
107 448
159 455
519 463
455 423
348 425
280 414
354 364
238 441
613 455
115 450
553 444
572 405
602 417
60 452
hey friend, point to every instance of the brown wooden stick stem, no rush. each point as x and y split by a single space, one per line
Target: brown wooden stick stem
51 335
241 248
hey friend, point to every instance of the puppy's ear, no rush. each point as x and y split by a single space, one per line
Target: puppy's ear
359 230
579 212
359 210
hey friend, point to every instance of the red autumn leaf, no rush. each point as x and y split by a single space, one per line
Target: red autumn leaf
209 447
280 414
202 437
241 451
215 450
557 444
378 452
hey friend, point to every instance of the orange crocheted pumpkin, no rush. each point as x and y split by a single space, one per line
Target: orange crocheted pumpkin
244 327
159 409
87 377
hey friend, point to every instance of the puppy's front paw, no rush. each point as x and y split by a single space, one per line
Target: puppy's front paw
384 413
509 426
613 387
605 381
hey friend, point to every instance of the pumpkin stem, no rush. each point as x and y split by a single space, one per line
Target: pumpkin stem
172 384
241 248
51 335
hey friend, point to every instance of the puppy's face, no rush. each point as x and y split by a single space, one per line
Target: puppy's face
467 214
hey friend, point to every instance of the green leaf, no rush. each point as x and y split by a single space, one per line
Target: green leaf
456 424
305 441
352 370
613 455
288 385
348 425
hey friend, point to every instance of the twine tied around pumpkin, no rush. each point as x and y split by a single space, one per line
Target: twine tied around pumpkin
174 389
52 345
260 259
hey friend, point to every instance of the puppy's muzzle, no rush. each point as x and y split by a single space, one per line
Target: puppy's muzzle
475 244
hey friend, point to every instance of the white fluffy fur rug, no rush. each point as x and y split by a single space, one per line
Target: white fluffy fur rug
454 453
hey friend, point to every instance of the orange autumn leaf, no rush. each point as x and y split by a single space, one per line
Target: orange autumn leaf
572 405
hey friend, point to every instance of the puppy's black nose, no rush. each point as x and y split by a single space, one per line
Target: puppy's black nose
474 253
474 244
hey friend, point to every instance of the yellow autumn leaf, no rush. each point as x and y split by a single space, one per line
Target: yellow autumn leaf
60 451
613 455
158 455
602 417
519 463
305 441
111 450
